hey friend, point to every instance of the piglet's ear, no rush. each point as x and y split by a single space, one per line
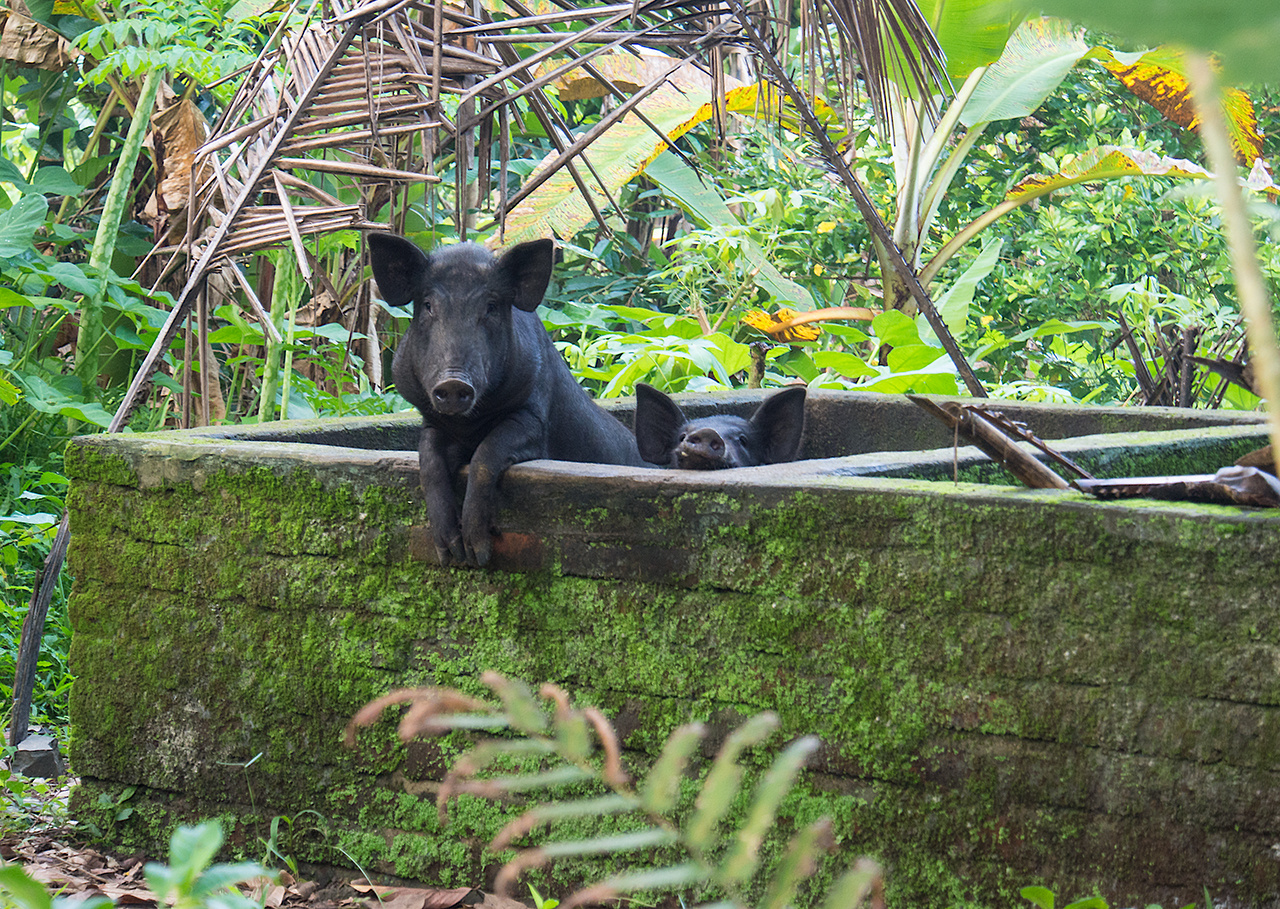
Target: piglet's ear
399 267
658 423
522 274
780 421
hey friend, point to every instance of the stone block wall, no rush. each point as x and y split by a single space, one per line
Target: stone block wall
1012 687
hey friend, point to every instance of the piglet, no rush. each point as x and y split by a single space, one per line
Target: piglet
666 438
491 387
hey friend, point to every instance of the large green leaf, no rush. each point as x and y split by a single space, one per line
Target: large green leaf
19 224
846 364
1243 33
1037 58
55 180
953 305
972 32
61 399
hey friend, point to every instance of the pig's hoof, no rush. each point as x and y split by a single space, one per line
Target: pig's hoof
479 551
450 549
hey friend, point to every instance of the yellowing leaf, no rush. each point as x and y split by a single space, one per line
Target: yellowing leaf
759 319
1106 162
682 102
788 325
1159 78
68 8
777 325
826 227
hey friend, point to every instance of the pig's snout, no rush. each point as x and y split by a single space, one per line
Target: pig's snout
707 441
702 449
453 396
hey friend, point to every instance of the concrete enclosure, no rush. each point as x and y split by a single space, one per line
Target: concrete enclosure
1012 687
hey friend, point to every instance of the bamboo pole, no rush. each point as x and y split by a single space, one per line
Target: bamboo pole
1250 285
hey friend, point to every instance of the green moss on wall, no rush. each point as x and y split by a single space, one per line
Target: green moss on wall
1007 684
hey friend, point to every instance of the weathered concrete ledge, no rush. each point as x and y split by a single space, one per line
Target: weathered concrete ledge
1012 686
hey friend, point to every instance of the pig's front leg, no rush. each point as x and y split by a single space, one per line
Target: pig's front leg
438 464
520 437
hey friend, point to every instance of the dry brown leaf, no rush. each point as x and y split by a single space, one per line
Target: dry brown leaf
31 43
366 887
48 875
130 896
179 128
424 898
494 901
446 899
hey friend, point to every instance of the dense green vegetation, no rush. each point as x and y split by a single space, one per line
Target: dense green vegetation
1035 301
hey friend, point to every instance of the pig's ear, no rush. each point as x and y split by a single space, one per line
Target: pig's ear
780 421
399 267
658 422
523 273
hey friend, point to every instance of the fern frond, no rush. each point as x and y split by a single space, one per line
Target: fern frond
580 745
773 788
545 814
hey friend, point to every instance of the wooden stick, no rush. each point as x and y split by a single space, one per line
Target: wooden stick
359 170
264 319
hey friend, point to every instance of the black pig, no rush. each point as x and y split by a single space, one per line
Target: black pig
490 385
771 436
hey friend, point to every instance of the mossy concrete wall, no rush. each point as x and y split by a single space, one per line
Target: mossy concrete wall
1013 687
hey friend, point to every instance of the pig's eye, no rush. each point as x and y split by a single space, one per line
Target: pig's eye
491 308
424 305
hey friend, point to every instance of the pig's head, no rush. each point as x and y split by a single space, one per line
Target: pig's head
462 343
665 437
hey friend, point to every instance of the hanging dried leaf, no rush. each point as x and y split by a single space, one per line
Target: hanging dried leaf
30 43
179 128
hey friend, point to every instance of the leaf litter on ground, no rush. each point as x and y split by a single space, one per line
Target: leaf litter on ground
52 849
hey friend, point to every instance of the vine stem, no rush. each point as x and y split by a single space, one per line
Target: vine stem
104 241
1250 286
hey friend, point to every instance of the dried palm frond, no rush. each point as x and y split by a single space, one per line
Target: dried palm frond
882 43
349 106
